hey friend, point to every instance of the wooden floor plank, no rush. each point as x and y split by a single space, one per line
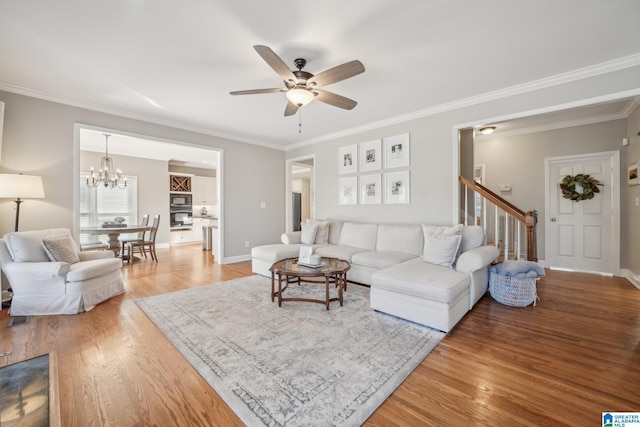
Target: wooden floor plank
565 361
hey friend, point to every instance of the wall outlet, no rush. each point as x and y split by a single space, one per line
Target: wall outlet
246 244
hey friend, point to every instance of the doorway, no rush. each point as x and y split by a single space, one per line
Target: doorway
151 160
300 188
583 235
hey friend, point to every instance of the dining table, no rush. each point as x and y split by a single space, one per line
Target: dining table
113 233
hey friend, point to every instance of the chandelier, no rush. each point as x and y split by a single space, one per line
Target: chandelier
106 175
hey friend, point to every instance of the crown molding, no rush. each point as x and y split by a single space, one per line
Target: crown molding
107 109
554 126
579 74
582 73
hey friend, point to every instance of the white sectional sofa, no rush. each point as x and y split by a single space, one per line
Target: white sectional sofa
430 275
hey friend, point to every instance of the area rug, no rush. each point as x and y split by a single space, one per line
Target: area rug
295 365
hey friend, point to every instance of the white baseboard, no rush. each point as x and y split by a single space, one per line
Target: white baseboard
234 259
631 276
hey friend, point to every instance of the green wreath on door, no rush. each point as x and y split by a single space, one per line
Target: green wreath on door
588 184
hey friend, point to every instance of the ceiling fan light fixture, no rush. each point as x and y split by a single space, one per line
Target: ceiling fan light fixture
300 96
488 130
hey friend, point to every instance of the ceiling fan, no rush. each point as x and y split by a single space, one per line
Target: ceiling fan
302 87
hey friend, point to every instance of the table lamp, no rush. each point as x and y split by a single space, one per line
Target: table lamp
18 186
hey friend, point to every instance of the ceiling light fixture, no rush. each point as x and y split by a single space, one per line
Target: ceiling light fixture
488 130
105 176
300 96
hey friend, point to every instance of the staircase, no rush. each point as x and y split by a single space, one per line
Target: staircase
506 226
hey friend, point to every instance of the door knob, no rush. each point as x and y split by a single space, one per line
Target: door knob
553 220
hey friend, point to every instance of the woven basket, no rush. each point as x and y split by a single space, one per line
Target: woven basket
513 291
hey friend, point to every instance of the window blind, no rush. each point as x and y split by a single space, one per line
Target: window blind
100 204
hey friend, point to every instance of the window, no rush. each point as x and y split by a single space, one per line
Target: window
100 204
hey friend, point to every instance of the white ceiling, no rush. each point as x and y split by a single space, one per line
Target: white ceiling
176 62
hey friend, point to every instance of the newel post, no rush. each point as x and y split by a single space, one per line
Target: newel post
532 235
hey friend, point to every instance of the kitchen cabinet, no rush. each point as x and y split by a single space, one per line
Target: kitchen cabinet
180 236
204 191
196 232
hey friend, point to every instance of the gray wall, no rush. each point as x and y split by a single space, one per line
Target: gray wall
518 161
39 139
632 225
434 151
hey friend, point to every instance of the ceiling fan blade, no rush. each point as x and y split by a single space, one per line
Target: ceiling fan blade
335 100
276 63
256 91
291 109
336 74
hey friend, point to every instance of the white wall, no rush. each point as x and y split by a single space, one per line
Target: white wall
434 151
39 139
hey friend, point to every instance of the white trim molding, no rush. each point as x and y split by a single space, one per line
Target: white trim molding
631 276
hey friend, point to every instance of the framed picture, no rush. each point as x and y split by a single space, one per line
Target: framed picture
348 191
396 151
632 173
396 187
348 159
370 155
371 189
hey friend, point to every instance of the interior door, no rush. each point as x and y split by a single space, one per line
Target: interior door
296 205
581 236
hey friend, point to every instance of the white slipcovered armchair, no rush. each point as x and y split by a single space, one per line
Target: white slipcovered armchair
48 275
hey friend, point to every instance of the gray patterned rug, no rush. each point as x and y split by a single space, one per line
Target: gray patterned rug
297 365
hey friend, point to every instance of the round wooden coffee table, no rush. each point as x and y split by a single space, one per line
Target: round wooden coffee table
289 271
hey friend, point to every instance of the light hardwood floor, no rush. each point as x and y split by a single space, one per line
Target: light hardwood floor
563 362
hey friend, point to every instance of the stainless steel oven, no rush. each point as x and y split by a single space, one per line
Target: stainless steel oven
181 218
179 201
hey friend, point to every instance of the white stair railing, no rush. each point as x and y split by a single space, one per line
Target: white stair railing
502 221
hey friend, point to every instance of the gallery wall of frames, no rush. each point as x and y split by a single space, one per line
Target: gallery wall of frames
375 172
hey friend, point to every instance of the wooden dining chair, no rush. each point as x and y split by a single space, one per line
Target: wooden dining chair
139 238
145 244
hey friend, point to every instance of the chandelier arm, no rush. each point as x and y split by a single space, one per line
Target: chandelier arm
108 175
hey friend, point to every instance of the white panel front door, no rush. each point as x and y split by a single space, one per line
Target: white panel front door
580 235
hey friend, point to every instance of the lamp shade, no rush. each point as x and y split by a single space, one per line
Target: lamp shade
18 186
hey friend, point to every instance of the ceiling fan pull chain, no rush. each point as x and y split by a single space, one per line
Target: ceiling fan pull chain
300 120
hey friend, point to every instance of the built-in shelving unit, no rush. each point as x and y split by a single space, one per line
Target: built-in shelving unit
180 183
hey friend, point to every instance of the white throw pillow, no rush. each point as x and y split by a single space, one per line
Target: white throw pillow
61 249
308 235
441 249
431 246
322 235
445 231
472 237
